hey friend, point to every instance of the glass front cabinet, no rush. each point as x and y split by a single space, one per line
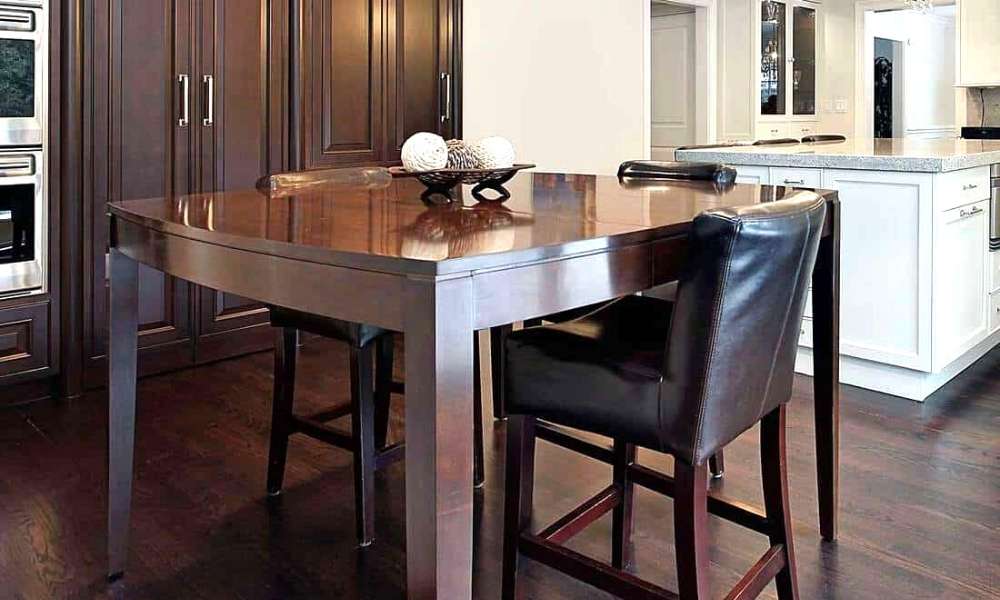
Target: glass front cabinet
787 68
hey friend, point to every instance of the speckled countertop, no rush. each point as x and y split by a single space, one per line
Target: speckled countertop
910 155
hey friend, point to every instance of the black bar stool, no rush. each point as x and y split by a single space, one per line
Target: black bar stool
683 378
823 137
371 365
776 142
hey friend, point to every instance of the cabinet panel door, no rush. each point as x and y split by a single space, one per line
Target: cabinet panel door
234 131
141 150
342 121
979 47
420 88
885 257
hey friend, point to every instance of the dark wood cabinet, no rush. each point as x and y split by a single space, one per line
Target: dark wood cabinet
370 74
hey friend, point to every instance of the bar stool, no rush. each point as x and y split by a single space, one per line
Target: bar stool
776 142
823 137
682 378
371 376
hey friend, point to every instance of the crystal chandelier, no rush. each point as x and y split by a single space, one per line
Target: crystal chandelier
921 6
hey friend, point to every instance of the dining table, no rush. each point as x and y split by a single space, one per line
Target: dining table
384 253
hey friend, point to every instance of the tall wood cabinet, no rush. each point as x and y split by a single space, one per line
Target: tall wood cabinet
193 96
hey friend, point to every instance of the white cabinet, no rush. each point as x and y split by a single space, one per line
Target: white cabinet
772 130
978 24
885 294
752 174
802 177
961 237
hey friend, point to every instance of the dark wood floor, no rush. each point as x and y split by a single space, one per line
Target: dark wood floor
920 484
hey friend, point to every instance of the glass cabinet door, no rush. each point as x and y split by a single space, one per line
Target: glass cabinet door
803 61
772 58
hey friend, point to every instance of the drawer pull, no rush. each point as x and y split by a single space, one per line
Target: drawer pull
795 182
969 186
965 214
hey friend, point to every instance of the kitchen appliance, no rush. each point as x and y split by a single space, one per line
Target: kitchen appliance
23 61
23 222
990 133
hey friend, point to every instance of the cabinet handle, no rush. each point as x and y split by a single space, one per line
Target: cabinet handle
209 119
185 82
969 186
795 182
965 214
446 101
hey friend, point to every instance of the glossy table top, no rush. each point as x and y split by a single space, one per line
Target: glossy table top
389 228
889 154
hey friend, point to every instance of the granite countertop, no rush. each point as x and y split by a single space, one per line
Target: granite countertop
910 155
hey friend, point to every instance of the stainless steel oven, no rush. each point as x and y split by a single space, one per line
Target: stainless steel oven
23 62
23 223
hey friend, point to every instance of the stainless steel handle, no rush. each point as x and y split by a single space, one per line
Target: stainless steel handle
16 20
209 119
185 82
795 182
969 186
16 166
446 101
965 214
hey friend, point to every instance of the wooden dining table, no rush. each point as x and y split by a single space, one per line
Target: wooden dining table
379 253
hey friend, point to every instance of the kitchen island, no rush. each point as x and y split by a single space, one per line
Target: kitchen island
920 289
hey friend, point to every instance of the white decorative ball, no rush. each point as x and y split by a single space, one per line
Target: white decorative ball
425 152
494 153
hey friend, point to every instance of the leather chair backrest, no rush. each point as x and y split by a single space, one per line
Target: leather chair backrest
823 137
731 350
280 184
776 142
695 171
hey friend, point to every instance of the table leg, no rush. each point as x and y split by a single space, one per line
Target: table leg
439 431
121 405
826 373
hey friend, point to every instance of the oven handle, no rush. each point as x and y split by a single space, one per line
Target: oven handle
16 166
16 20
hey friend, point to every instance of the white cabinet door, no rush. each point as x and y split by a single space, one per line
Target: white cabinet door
978 24
885 293
751 174
797 177
961 237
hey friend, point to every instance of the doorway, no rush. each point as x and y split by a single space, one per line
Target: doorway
681 77
888 90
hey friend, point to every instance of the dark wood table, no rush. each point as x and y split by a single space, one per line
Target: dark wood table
436 273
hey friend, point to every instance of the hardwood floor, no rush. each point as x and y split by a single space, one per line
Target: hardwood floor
920 498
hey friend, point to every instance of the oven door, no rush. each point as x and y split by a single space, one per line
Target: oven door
23 219
22 72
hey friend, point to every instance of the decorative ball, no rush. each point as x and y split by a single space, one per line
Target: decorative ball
461 155
494 153
425 152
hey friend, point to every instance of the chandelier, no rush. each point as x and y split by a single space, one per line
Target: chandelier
921 6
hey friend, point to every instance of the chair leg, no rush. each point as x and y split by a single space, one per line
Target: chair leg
497 336
384 348
774 474
622 522
363 433
285 349
520 481
478 475
717 465
691 530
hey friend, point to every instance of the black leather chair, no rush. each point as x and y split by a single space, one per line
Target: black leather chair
823 137
682 378
371 378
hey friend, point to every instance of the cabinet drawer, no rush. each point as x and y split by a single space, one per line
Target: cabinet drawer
797 177
771 130
24 344
806 333
959 188
800 130
994 311
752 174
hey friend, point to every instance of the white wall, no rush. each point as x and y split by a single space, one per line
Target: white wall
564 80
928 67
837 77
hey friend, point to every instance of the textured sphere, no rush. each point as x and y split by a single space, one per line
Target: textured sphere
494 153
424 152
461 155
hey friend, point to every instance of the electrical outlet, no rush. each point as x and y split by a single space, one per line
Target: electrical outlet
841 105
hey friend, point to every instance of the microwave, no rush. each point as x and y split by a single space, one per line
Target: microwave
23 60
23 218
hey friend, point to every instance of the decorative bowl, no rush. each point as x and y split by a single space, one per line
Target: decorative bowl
442 181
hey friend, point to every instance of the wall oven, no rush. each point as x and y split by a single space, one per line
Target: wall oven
23 223
23 60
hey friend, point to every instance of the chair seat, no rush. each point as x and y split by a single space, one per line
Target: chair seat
356 334
600 372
